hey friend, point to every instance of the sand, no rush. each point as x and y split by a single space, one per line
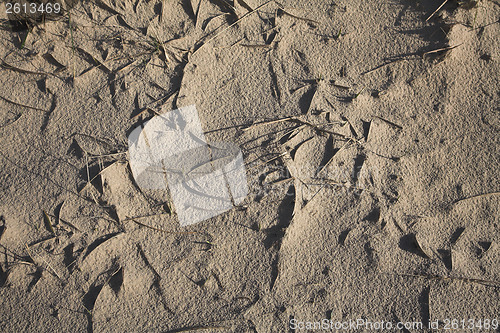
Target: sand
369 133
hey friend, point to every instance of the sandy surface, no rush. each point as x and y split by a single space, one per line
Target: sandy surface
370 141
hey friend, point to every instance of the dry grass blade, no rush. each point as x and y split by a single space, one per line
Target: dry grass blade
327 181
107 155
196 328
103 141
53 271
23 105
93 61
234 23
444 3
269 122
41 241
161 230
147 108
255 46
258 45
70 225
477 196
281 181
290 132
47 223
299 18
17 258
487 283
322 130
359 93
300 122
30 255
448 48
87 167
143 216
5 65
390 122
331 159
270 160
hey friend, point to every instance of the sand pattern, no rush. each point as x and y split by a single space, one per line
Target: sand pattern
369 132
